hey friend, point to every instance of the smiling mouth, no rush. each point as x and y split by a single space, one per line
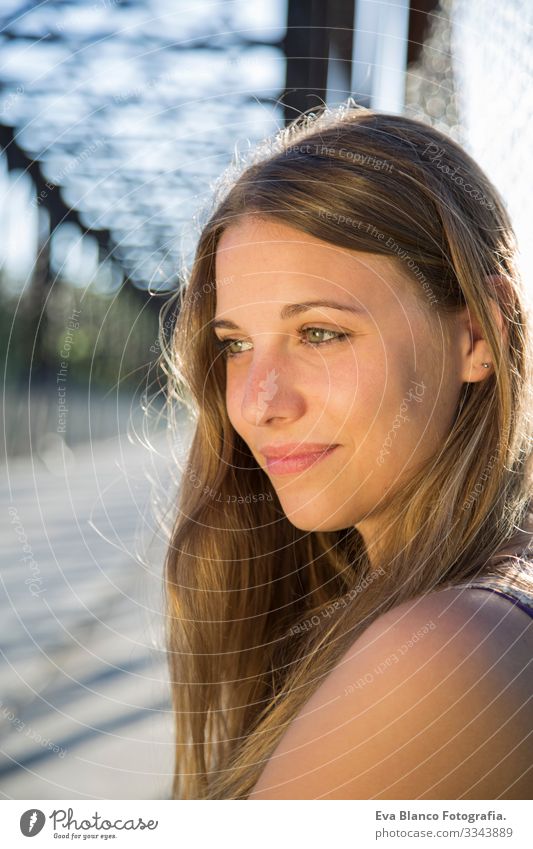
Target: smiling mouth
297 463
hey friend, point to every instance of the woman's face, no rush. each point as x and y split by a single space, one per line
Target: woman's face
378 379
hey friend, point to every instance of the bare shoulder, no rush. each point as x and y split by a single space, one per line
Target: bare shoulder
456 618
432 701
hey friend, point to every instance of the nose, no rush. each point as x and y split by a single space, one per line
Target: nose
270 393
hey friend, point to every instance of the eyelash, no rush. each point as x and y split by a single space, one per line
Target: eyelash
223 344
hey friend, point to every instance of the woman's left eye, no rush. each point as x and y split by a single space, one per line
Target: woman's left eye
224 344
336 335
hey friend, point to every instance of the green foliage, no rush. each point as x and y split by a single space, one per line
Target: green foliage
105 341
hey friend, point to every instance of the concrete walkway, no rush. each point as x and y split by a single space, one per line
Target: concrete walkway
84 703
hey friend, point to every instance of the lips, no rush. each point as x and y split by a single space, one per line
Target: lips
295 449
287 464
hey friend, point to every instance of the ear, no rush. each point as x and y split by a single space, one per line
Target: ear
474 348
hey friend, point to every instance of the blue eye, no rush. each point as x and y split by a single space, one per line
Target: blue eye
223 345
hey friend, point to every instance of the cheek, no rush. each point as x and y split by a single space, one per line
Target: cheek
359 387
233 401
367 402
351 391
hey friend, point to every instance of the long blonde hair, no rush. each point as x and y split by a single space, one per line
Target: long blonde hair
258 611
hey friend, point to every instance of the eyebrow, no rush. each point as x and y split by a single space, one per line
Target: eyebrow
290 310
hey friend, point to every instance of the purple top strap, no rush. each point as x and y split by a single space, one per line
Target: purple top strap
521 602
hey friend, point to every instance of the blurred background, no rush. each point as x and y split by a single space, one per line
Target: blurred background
116 118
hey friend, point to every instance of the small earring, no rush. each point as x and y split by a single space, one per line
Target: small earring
485 365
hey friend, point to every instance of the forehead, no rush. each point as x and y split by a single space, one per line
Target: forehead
263 259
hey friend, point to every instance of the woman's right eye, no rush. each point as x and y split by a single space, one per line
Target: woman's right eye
223 345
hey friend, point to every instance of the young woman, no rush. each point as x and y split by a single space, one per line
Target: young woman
354 345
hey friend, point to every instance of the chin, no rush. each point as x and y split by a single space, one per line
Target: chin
309 520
